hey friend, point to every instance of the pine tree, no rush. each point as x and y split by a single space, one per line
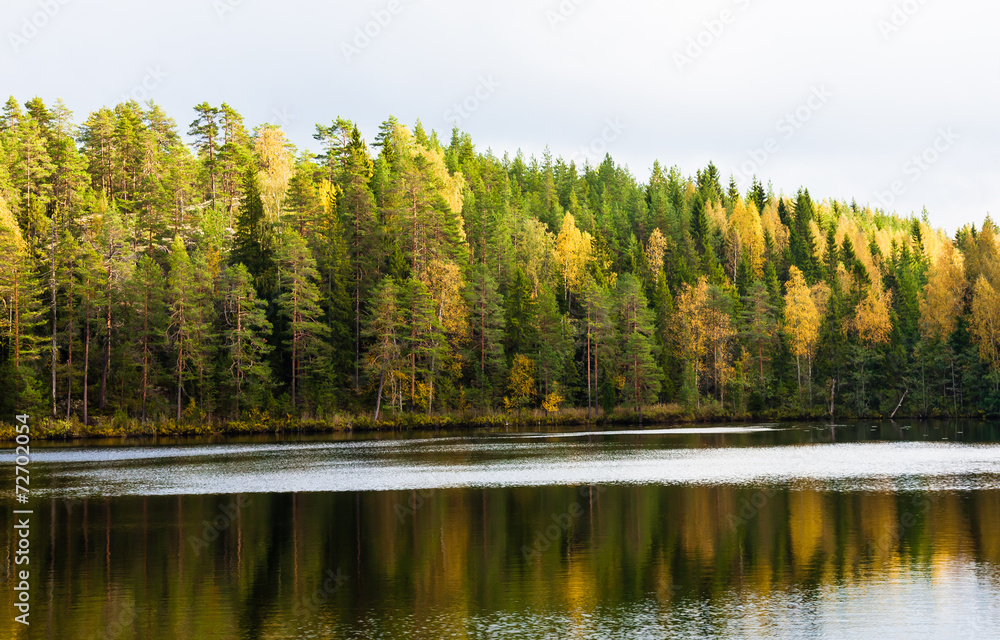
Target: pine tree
298 305
92 279
639 351
205 130
245 337
358 215
235 157
253 243
147 299
760 328
384 329
425 342
186 330
487 324
553 346
22 314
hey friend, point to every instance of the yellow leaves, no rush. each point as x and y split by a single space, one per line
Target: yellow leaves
942 302
772 225
935 241
552 402
690 333
572 252
986 321
871 318
328 194
276 163
445 283
716 215
747 235
422 395
452 187
535 249
656 250
10 231
982 255
802 316
521 387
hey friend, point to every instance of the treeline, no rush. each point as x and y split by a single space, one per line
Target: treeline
146 278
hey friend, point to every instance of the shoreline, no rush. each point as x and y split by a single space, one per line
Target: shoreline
661 415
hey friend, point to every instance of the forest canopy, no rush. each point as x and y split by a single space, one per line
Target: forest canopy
150 277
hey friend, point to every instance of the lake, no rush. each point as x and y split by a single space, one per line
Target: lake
875 530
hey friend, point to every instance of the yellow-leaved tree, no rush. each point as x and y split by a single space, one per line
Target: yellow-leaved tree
802 321
941 306
15 285
572 254
746 237
276 164
986 321
874 327
690 333
445 284
942 302
521 386
656 251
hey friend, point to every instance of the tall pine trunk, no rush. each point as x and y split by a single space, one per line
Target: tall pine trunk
86 360
52 286
103 402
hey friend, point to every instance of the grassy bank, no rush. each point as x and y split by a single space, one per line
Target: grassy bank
125 427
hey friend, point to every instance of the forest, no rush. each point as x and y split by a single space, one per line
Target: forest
217 273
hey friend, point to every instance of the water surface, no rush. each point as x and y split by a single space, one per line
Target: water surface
797 531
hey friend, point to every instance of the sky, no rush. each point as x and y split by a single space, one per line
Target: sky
893 103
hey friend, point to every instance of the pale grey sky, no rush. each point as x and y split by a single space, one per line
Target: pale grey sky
884 101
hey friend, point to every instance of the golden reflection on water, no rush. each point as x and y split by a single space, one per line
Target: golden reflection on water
421 563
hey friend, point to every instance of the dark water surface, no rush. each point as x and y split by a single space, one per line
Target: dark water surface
782 531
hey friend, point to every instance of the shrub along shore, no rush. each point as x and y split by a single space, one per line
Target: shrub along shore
121 426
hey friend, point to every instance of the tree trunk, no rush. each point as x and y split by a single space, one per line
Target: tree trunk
86 360
798 370
899 405
180 377
589 402
145 351
107 359
378 398
833 393
69 352
52 286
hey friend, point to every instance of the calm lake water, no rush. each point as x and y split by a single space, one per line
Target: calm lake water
780 531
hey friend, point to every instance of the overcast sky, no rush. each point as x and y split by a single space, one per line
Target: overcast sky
891 102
